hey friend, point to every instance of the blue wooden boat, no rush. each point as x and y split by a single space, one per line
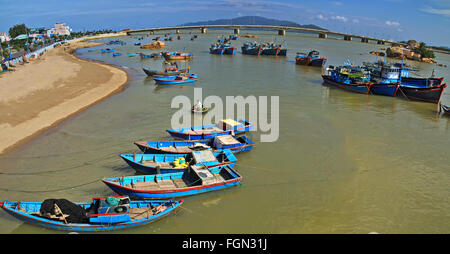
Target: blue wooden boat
236 144
194 180
222 47
166 163
173 77
251 48
311 59
116 54
388 89
273 49
107 50
137 44
100 215
166 72
142 55
224 127
132 54
350 78
180 79
233 37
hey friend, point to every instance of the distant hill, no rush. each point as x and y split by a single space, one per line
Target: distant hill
252 20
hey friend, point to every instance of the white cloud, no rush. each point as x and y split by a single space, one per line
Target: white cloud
340 18
337 3
392 23
356 21
321 17
444 12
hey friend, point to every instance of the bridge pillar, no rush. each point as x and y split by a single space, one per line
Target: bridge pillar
323 36
282 32
203 29
237 31
365 40
177 31
151 32
380 42
347 38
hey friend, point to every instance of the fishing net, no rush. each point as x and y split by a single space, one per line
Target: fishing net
77 214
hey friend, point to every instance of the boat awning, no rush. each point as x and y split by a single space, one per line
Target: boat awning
203 156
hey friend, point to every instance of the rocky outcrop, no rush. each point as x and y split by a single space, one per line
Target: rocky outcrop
397 51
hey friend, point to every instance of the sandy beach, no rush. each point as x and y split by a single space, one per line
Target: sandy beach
43 92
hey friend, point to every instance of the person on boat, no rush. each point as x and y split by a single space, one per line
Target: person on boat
198 106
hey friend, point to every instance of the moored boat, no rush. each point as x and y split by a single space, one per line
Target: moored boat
166 163
170 69
209 131
273 49
177 55
251 48
107 50
191 181
236 144
116 54
182 78
200 111
103 214
349 78
312 59
419 93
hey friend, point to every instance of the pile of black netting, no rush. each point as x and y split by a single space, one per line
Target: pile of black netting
77 214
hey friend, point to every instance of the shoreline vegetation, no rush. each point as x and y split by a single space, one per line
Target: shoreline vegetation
42 93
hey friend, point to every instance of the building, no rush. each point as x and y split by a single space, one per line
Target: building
62 29
4 37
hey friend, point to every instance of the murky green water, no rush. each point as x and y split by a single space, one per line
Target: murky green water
343 163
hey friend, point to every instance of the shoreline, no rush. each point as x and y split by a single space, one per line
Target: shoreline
12 137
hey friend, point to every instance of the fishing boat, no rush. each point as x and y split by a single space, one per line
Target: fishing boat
107 50
273 49
172 163
386 81
137 44
182 78
102 214
222 47
116 54
142 55
236 144
209 131
200 111
132 54
194 180
430 94
251 48
311 59
170 69
117 42
233 37
177 55
350 78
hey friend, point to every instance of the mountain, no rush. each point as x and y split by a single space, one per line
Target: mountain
252 20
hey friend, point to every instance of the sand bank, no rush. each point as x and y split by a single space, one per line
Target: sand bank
42 93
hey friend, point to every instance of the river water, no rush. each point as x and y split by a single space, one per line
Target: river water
343 162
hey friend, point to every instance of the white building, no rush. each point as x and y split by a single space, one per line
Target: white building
62 29
4 37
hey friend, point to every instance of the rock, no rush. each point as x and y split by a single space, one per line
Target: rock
428 60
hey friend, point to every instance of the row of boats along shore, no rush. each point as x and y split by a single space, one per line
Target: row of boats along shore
202 158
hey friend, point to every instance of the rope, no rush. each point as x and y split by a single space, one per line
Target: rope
55 190
60 170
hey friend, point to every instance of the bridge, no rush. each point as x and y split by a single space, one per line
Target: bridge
281 31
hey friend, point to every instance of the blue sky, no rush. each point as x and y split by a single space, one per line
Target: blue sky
425 20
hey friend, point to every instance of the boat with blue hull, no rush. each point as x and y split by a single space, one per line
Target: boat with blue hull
180 79
103 214
234 143
388 89
350 78
209 131
273 49
166 163
107 50
251 48
116 54
194 180
311 59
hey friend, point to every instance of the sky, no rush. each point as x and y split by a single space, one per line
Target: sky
421 20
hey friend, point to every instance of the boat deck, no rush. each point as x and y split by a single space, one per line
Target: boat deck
172 183
171 149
